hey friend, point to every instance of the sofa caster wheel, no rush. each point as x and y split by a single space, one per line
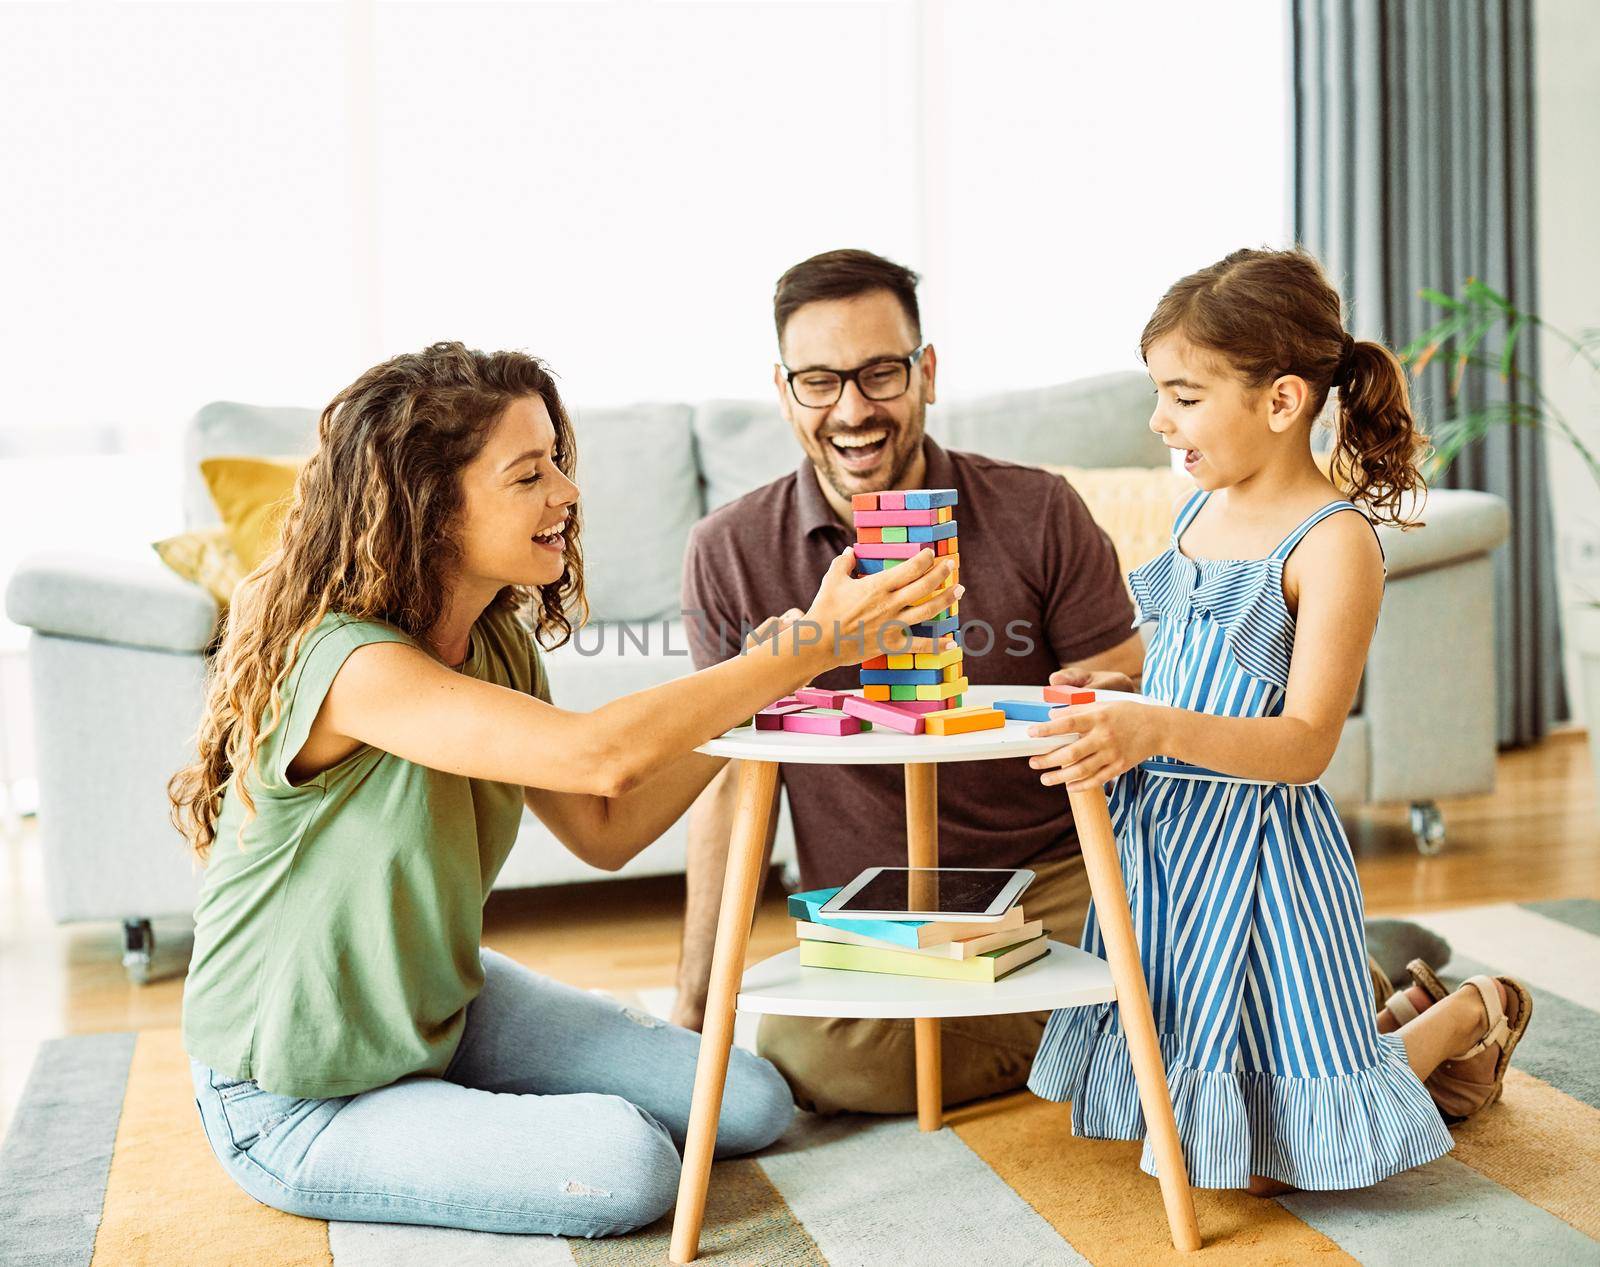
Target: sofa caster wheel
1427 826
138 945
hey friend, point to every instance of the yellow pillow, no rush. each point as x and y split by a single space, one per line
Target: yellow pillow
206 558
252 496
1134 504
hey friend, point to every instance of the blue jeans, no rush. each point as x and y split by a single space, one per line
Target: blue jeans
561 1113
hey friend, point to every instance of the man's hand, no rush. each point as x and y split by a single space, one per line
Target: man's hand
1102 740
1089 680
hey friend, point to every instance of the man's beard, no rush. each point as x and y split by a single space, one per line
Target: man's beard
887 476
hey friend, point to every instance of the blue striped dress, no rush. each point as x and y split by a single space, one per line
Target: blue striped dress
1248 914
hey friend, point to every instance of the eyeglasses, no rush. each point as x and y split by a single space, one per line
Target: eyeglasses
877 380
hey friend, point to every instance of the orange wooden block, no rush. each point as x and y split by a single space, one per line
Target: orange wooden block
877 662
870 536
946 514
961 721
880 693
864 501
1067 695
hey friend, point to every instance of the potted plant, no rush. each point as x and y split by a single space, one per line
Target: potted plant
1473 320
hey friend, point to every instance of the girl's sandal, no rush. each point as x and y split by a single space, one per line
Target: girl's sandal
1424 976
1382 987
1399 1004
1457 1097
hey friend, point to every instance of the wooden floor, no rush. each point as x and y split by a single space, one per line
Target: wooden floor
1536 837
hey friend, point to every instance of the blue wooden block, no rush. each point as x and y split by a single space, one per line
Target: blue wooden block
936 628
934 532
929 498
1024 709
899 677
868 566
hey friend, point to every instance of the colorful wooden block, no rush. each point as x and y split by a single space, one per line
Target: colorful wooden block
922 707
819 698
902 692
864 501
891 501
879 693
941 547
945 515
866 567
1059 695
956 701
962 721
772 718
936 659
952 545
900 662
871 536
942 690
928 498
951 673
814 723
889 716
891 535
880 662
930 532
896 518
1024 709
891 550
899 677
935 628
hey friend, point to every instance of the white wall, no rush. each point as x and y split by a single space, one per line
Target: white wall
1567 77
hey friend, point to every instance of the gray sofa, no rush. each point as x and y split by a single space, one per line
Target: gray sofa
118 651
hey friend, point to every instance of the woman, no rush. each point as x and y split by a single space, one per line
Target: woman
377 717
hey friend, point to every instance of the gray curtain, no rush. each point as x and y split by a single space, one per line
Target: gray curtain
1414 166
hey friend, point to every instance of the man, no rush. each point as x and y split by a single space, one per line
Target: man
1043 592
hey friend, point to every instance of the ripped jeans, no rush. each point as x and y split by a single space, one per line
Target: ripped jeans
561 1113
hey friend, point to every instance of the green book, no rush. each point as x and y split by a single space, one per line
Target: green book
990 966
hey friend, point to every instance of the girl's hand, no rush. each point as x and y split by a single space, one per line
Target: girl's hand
771 627
1093 681
856 619
1102 740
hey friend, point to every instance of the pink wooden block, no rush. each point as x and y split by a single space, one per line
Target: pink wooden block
816 697
896 518
821 724
922 705
894 716
892 549
891 501
772 718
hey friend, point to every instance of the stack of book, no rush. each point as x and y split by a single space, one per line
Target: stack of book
977 951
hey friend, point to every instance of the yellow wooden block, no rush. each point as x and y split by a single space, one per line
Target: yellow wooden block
952 673
876 692
903 662
942 690
949 581
932 659
961 721
946 514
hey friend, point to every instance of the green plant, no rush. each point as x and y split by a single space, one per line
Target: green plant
1471 318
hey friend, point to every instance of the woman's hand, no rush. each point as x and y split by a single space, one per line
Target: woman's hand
1088 680
856 619
1102 740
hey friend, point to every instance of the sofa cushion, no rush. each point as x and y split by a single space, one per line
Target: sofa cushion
639 494
226 427
741 445
1134 504
1101 421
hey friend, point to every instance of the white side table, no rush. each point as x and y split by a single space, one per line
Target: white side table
1066 977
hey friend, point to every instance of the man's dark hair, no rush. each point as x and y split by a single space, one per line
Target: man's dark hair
844 275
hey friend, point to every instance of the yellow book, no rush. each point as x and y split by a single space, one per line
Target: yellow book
989 966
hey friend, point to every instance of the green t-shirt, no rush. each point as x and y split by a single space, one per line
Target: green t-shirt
338 949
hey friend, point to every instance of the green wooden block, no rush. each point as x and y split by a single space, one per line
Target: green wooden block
902 692
894 534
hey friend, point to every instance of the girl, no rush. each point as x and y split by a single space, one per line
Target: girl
377 718
1243 888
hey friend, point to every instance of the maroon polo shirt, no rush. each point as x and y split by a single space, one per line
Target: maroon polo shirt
1038 570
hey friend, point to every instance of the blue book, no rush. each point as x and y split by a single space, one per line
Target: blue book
914 933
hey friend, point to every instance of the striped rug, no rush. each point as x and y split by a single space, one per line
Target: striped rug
105 1164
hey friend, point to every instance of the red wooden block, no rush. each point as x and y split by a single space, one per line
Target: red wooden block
877 662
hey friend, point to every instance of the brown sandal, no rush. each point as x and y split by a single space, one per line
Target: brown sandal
1458 1098
1398 1002
1424 976
1382 987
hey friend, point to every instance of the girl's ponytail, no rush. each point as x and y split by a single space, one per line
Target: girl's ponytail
1377 446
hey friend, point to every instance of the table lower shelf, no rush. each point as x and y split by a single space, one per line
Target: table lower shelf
1066 977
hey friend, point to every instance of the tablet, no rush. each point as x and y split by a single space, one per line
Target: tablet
929 893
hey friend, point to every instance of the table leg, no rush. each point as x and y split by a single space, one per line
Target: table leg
1099 847
922 850
757 781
